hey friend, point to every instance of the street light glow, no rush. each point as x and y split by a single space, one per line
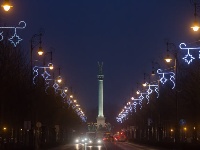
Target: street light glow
50 66
59 79
40 51
65 89
195 28
6 5
144 84
168 59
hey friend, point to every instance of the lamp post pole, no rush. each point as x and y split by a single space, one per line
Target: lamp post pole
168 59
176 101
33 45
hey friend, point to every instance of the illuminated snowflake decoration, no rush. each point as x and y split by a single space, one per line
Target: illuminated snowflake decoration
35 73
45 74
164 75
188 57
15 39
63 94
69 101
73 106
47 84
55 86
128 107
142 94
122 115
151 88
136 101
119 119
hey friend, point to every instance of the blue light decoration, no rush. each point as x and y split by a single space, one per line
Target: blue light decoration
122 115
63 94
15 39
69 101
128 107
136 101
45 74
164 79
150 90
188 57
55 86
142 94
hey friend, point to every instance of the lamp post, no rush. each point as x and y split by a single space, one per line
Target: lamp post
35 43
50 65
36 40
168 60
195 26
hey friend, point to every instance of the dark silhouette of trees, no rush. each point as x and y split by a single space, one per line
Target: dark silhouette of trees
21 101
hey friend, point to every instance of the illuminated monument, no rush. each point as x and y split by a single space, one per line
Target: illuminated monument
100 118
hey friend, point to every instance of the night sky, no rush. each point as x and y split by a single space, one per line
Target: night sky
125 34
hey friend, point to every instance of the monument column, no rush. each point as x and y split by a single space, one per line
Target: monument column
100 118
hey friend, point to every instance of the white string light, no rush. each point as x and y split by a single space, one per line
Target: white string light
15 39
188 57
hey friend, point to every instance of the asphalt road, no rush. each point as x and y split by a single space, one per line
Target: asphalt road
105 146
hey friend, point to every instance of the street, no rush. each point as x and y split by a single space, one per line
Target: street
106 146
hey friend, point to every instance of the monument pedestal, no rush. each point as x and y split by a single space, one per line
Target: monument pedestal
100 121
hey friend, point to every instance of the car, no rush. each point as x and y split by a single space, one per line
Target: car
81 140
108 138
95 141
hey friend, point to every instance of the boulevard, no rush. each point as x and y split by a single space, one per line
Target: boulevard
106 146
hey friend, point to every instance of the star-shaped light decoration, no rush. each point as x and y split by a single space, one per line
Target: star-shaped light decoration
163 79
55 86
63 94
45 74
188 58
15 39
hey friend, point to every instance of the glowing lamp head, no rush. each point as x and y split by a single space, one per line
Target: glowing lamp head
195 26
71 96
138 92
65 89
168 59
40 51
59 79
50 66
6 5
144 84
153 72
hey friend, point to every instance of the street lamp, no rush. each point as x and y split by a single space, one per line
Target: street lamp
168 60
195 26
59 78
146 83
153 72
6 5
34 43
50 65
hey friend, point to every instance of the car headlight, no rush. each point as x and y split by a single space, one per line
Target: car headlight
90 141
98 141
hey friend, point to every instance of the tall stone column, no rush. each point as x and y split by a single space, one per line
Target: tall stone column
100 118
